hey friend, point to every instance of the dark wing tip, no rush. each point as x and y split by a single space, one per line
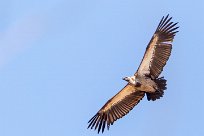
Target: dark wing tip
91 121
163 21
165 24
98 122
167 29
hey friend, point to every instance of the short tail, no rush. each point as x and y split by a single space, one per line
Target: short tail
161 84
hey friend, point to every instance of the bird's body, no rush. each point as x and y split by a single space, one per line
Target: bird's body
142 83
146 79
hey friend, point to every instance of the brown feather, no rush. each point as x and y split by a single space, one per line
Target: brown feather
116 108
158 49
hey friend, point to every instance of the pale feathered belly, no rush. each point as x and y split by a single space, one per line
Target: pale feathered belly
144 84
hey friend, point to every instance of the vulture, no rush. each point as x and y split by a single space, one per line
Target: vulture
145 81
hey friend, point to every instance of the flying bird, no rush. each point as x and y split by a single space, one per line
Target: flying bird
145 81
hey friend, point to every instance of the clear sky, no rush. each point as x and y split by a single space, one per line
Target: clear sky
61 60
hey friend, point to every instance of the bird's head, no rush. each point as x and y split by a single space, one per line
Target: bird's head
126 79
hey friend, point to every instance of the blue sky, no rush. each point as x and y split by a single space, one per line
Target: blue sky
60 61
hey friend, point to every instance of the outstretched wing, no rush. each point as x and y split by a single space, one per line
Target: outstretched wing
117 107
158 49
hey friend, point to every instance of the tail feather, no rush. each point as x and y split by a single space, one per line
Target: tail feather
161 84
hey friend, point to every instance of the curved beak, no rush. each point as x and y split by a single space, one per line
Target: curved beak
123 78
